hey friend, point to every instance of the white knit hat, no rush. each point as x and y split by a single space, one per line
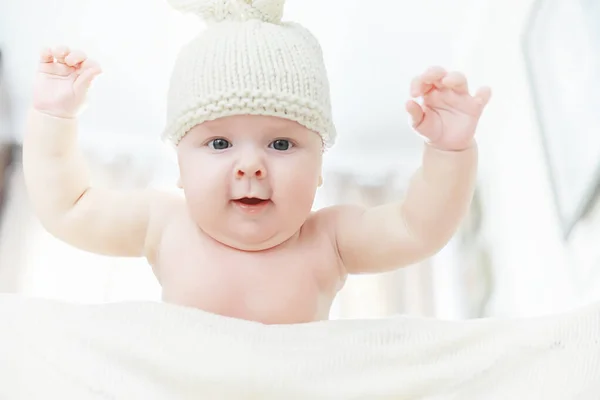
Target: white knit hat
248 61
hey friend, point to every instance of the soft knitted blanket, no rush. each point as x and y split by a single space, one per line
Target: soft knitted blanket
146 351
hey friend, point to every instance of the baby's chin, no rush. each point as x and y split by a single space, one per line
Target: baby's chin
253 240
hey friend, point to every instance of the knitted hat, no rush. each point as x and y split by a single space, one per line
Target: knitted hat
248 61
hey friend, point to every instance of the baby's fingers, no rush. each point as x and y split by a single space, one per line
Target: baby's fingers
52 62
74 58
483 95
52 68
59 53
457 82
415 112
89 70
46 56
89 66
422 84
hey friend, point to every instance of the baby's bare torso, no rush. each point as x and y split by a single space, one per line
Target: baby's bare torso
292 283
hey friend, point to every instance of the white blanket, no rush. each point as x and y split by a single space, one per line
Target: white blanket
146 351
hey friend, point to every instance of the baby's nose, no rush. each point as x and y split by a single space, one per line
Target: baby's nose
250 164
258 173
251 167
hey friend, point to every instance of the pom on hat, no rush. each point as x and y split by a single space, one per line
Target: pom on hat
232 10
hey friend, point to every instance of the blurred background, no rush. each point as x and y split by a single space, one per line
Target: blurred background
530 243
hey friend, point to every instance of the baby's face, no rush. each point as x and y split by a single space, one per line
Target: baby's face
250 181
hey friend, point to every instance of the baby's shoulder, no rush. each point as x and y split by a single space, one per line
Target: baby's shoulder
165 208
327 220
330 217
167 204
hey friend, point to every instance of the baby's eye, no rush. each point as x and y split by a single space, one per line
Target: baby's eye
281 144
219 144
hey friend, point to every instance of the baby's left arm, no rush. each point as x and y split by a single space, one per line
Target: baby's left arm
390 236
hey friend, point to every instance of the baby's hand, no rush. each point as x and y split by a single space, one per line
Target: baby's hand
62 81
449 114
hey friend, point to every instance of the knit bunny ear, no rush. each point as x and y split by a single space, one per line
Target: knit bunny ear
236 10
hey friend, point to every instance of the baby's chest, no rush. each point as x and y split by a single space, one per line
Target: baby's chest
286 279
280 275
295 281
257 288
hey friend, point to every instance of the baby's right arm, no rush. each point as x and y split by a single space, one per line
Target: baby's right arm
107 222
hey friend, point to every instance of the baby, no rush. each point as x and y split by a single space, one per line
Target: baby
249 116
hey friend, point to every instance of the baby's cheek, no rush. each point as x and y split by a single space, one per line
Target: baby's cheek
199 184
301 191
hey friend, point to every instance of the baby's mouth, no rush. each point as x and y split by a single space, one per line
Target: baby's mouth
251 201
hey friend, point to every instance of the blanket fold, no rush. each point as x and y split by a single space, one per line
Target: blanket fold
147 350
